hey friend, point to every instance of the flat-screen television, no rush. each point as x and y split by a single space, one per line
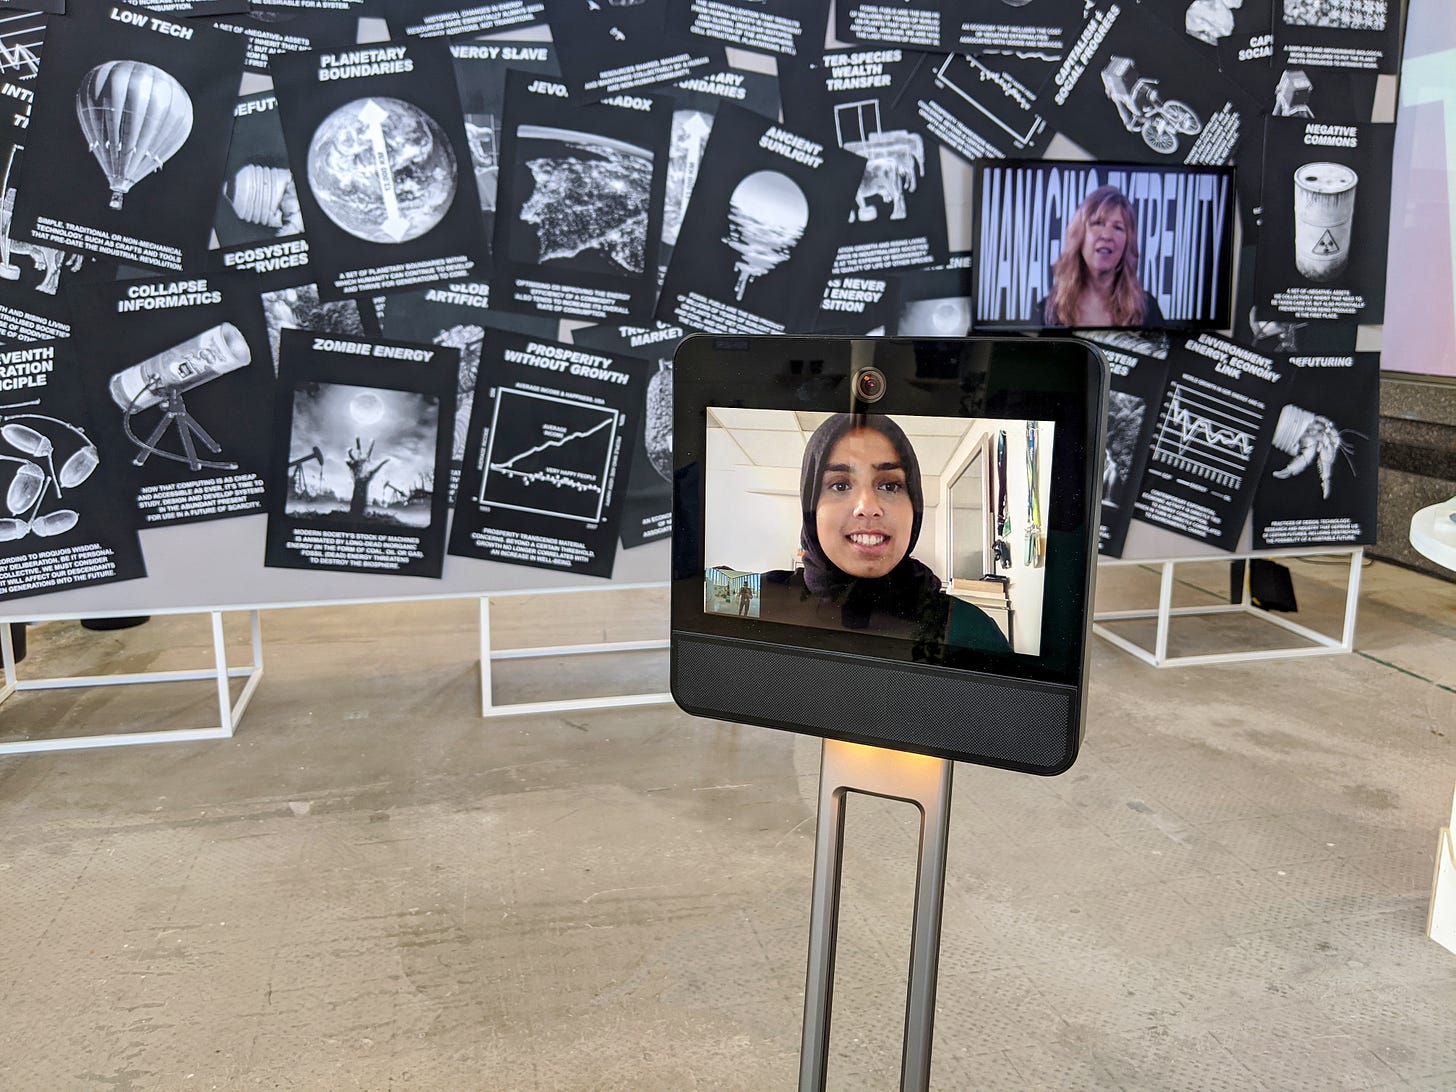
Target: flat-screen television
888 540
1102 246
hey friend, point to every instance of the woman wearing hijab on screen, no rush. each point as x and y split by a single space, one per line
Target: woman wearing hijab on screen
863 506
1094 281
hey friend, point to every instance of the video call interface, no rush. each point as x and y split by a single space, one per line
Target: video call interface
928 529
1102 245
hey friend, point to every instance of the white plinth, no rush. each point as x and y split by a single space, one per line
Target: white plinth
1433 534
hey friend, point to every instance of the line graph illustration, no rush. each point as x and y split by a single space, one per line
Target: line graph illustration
548 455
1203 434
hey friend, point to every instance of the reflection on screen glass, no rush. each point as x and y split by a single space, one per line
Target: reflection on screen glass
928 529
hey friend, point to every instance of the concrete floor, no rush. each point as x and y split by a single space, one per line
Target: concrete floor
369 886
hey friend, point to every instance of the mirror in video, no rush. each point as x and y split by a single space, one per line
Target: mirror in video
903 526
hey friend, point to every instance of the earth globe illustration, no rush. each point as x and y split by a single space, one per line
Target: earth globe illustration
382 169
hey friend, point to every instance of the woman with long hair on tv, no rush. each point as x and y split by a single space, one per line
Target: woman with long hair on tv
1094 280
863 505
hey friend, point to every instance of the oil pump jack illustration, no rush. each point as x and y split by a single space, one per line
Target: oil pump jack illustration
297 480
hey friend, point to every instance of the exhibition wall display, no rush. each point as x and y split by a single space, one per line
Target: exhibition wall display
399 316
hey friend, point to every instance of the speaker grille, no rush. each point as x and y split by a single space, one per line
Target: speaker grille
974 719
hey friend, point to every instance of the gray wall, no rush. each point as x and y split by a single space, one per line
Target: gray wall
1417 461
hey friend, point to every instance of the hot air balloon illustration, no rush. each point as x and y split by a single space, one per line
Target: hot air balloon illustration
134 116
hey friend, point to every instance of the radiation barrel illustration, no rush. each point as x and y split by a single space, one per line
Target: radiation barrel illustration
1324 208
134 116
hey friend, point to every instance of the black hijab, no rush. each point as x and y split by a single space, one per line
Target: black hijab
908 590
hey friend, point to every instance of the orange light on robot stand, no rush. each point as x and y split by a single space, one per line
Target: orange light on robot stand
882 770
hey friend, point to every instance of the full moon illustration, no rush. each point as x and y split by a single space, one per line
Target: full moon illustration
366 408
382 170
773 199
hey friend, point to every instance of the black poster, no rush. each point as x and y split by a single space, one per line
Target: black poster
843 99
384 176
1284 335
124 136
268 34
65 523
33 277
550 441
350 10
180 387
1326 221
456 315
1044 29
55 7
1320 485
1166 233
606 49
1211 438
766 214
1237 37
480 73
1131 90
1139 366
580 202
194 8
23 33
695 104
788 28
298 307
454 18
647 507
934 302
859 306
977 107
259 222
361 437
1328 54
918 24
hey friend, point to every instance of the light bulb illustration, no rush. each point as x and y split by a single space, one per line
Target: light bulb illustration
134 116
265 196
767 215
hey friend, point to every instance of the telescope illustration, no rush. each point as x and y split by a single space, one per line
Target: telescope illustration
134 116
162 379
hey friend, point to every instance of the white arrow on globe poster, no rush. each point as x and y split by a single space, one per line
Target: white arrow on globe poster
373 116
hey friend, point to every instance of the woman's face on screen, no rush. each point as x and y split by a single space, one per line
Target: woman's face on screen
1105 240
865 514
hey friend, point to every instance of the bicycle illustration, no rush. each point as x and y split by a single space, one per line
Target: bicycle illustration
1143 110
